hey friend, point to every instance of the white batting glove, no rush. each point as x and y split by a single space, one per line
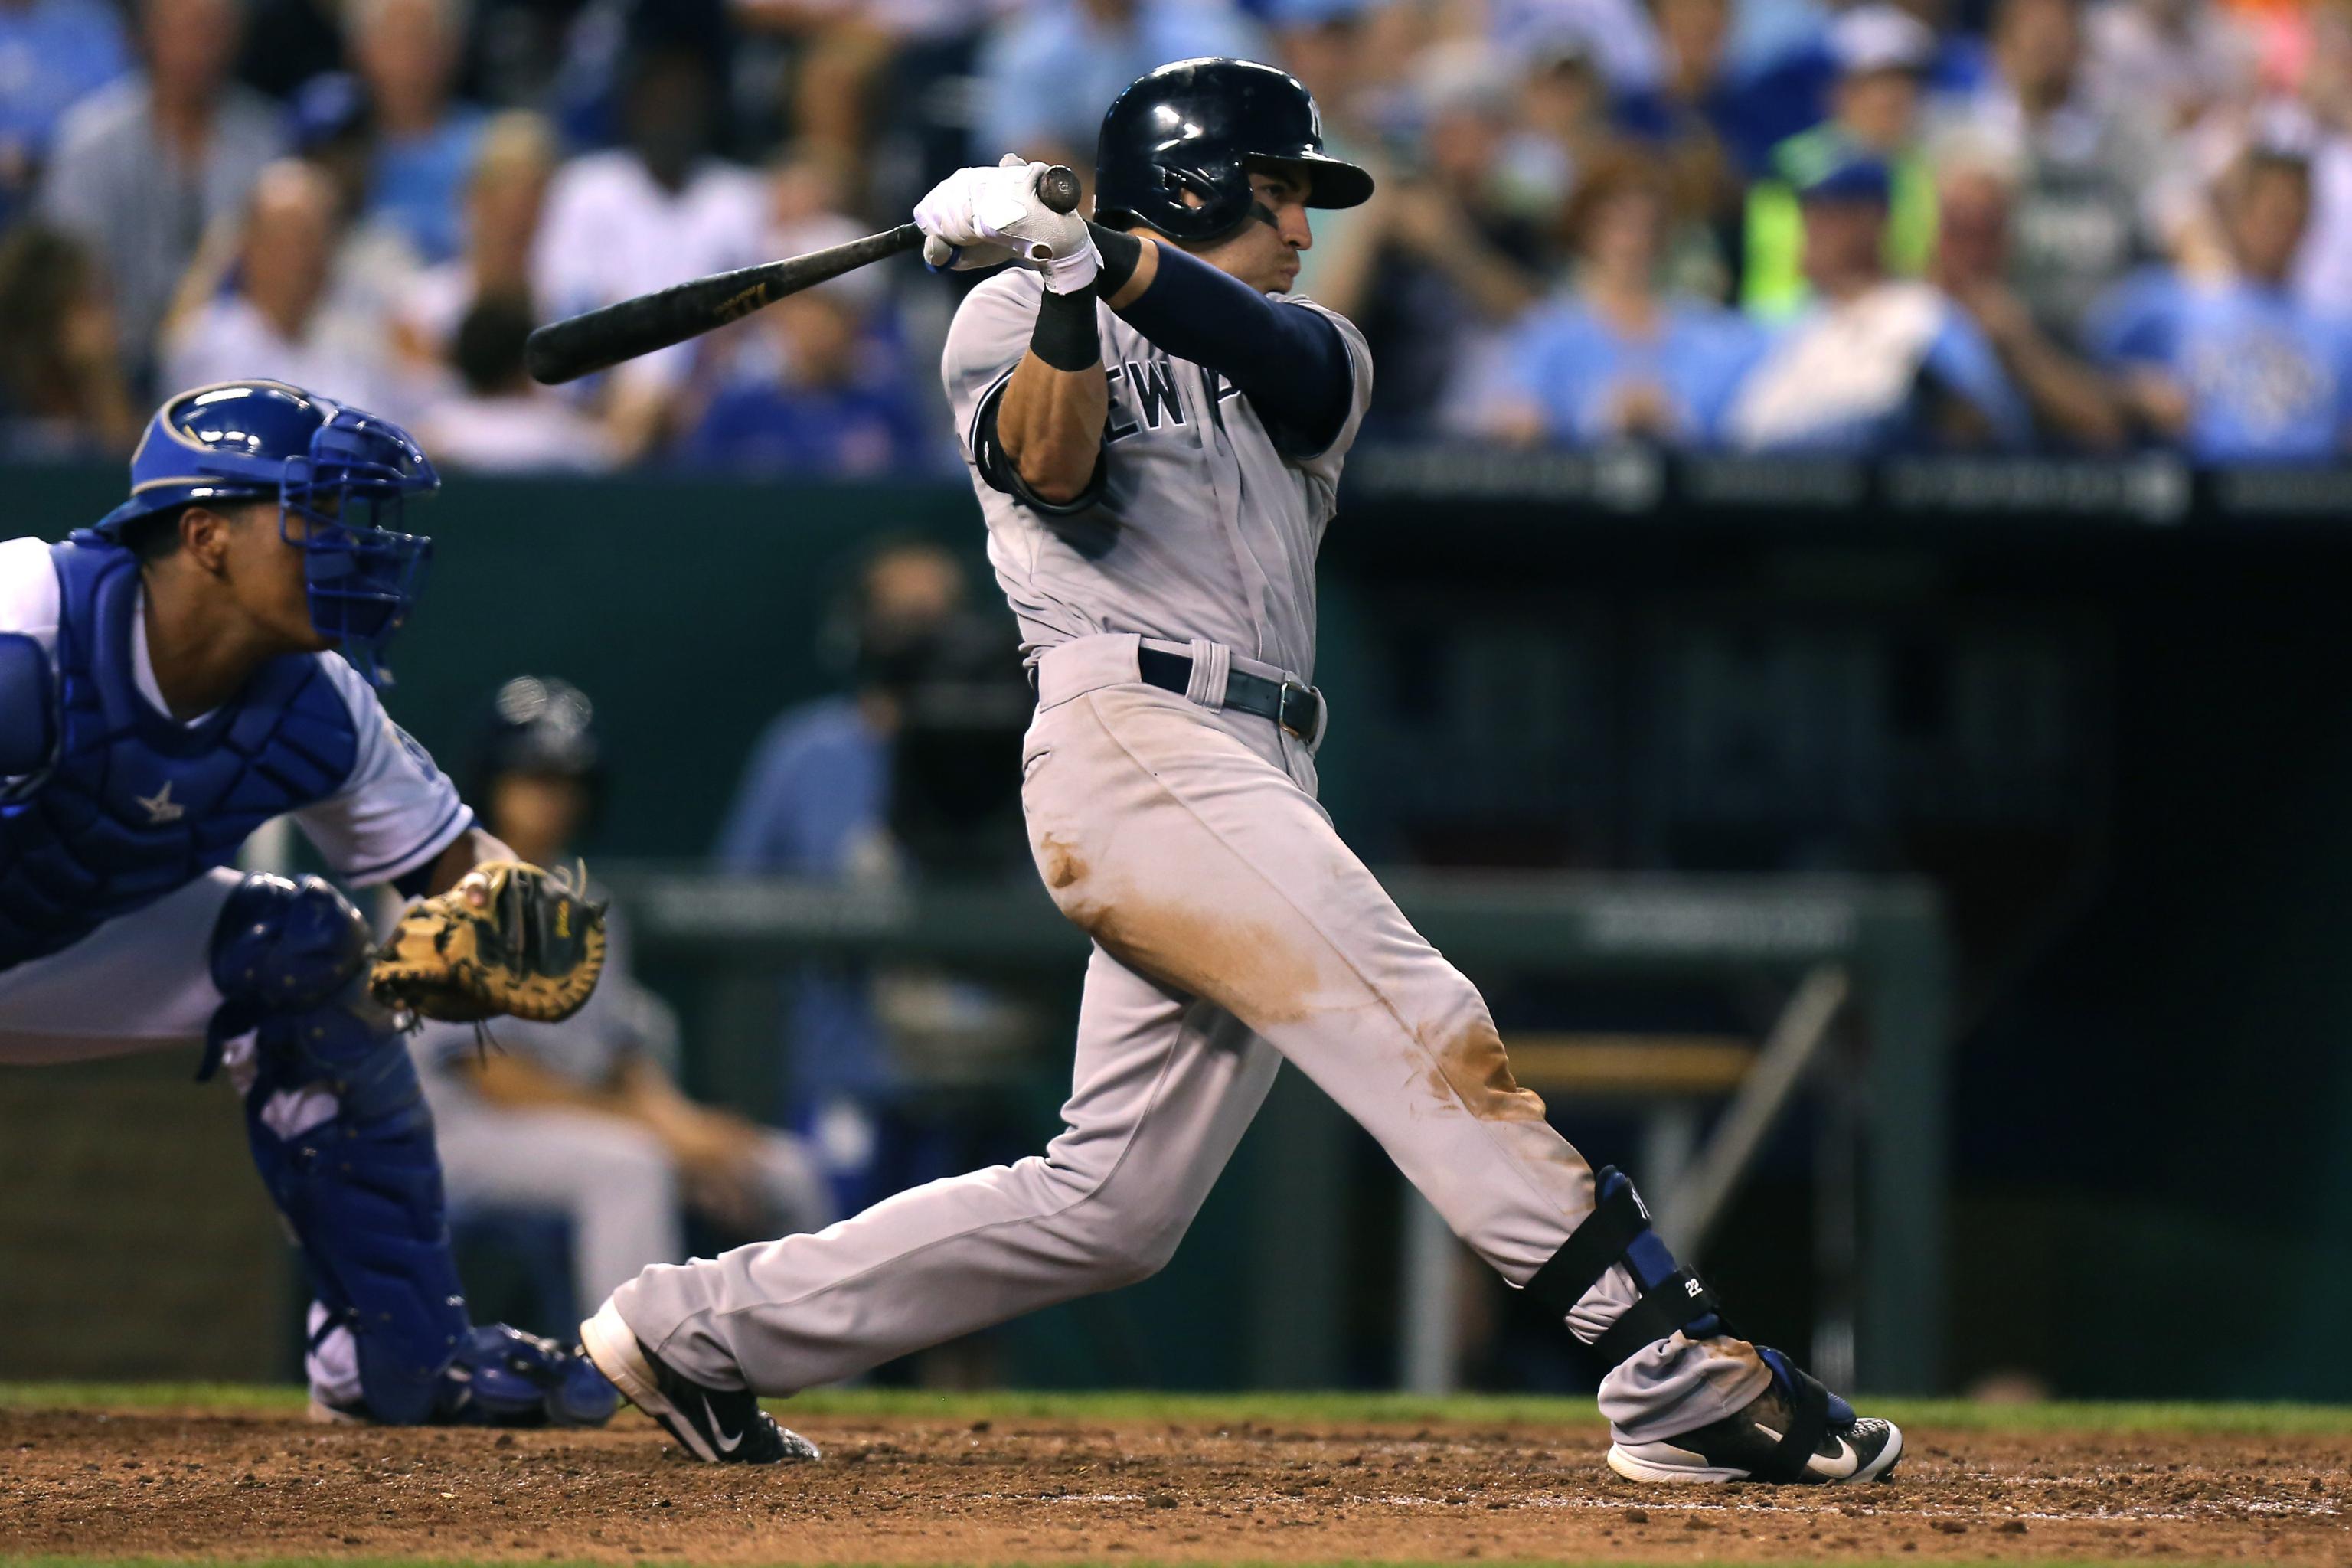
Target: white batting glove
951 238
1005 219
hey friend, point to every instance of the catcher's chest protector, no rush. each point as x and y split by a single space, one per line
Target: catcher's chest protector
136 805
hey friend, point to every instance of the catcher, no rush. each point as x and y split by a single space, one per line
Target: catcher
205 658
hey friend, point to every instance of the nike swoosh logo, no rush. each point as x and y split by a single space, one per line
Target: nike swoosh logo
1838 1469
1829 1467
727 1445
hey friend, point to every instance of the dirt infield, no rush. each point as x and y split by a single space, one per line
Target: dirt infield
249 1485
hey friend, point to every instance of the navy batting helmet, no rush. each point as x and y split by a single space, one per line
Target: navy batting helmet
1199 126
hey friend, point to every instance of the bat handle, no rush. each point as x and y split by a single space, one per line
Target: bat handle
1057 187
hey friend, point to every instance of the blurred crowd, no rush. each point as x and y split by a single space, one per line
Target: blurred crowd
2074 226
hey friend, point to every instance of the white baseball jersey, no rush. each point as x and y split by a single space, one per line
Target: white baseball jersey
396 811
1204 529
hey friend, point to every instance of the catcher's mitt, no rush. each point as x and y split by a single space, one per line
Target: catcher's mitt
532 948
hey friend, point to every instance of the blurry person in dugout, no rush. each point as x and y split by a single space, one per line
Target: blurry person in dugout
584 1118
911 773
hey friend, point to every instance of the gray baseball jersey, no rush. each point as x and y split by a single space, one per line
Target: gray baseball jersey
1204 529
1233 931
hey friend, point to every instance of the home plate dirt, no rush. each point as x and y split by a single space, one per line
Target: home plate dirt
230 1486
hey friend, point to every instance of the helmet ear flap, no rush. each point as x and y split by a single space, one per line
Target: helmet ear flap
1224 190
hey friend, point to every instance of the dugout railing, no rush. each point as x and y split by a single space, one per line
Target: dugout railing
1865 955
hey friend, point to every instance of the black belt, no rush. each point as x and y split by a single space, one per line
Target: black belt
1298 709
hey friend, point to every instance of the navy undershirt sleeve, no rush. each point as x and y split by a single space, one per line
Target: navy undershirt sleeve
1289 361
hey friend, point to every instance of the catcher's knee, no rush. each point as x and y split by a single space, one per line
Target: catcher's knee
290 958
285 946
281 949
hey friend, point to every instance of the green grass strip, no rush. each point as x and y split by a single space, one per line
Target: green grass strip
1122 1560
1280 1409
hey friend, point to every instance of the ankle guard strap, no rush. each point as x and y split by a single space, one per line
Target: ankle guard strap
1618 1231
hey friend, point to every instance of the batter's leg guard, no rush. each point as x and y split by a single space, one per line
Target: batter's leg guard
1797 1431
340 1132
1618 1231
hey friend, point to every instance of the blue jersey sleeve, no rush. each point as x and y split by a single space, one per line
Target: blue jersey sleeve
2137 320
818 784
1537 370
748 840
1726 350
1963 363
2339 333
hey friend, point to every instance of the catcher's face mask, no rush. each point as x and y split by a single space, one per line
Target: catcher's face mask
364 571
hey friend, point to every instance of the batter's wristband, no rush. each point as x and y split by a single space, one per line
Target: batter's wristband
1064 335
1120 253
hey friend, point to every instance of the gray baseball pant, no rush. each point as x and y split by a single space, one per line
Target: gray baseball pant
1233 930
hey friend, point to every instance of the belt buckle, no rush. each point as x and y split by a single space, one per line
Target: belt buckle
1293 692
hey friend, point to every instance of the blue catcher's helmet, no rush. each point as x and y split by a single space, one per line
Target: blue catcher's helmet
345 474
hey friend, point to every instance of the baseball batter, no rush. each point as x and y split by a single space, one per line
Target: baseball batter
1156 434
199 662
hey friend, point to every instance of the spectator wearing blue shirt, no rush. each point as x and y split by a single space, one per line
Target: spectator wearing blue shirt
812 390
2239 370
1047 72
1875 364
1617 357
406 53
52 54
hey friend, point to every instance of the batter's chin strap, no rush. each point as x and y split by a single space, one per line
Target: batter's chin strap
1618 1232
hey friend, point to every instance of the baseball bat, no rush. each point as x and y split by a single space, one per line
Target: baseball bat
596 340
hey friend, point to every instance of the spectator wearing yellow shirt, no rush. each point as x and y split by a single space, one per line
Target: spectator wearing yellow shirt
1881 52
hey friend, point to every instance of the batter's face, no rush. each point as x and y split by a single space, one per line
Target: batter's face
1263 251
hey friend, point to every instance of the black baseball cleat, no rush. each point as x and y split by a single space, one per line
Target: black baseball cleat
1795 1431
719 1425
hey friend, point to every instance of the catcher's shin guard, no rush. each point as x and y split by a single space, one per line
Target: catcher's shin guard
340 1132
